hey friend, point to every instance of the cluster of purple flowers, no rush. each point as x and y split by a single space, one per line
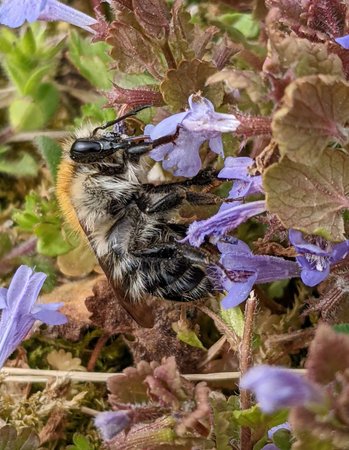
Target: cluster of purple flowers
242 269
19 310
13 13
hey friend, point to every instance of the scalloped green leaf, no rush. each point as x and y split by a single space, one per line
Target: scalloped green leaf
188 78
310 198
315 112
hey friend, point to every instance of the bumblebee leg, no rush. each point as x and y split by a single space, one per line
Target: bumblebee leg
133 112
145 147
166 203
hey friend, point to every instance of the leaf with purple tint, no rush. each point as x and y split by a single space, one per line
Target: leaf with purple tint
153 16
314 113
190 77
311 199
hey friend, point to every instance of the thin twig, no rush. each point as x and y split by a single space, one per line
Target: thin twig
231 336
20 375
245 364
30 135
97 351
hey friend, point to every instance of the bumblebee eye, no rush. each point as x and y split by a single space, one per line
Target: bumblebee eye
84 150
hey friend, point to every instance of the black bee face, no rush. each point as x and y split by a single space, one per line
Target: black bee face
88 151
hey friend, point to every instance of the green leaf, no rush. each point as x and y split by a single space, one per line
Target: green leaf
305 57
5 244
314 112
92 60
254 417
282 439
310 198
28 44
22 166
80 443
50 240
341 328
234 318
51 152
187 335
242 22
189 77
24 439
32 83
225 429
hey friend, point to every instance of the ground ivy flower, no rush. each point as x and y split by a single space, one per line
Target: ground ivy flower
316 257
19 311
228 218
110 423
199 124
243 269
283 427
245 184
13 13
343 41
276 388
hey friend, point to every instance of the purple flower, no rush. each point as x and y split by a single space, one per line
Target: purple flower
282 426
343 41
199 124
276 388
110 423
246 184
19 311
13 13
316 258
228 218
243 269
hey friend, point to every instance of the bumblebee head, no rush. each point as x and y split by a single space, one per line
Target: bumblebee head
87 151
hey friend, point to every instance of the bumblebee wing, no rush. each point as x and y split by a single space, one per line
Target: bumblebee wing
140 312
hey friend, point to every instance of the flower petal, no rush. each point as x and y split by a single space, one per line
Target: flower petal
277 388
223 221
343 41
3 298
13 13
48 314
110 423
312 277
238 292
55 10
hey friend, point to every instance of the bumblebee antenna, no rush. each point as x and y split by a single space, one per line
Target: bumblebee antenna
133 112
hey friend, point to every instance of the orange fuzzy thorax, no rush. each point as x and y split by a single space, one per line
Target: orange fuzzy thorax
63 192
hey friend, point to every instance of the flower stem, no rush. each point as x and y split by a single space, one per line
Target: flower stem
245 364
97 351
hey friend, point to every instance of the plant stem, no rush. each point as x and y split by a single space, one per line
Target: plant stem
245 364
97 351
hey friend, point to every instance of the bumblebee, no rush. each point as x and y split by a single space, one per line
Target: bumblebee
129 223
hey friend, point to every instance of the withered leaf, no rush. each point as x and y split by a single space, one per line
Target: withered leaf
131 387
79 262
11 439
131 50
313 433
181 32
305 57
241 79
142 95
315 111
327 16
73 295
153 16
328 354
310 198
188 78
